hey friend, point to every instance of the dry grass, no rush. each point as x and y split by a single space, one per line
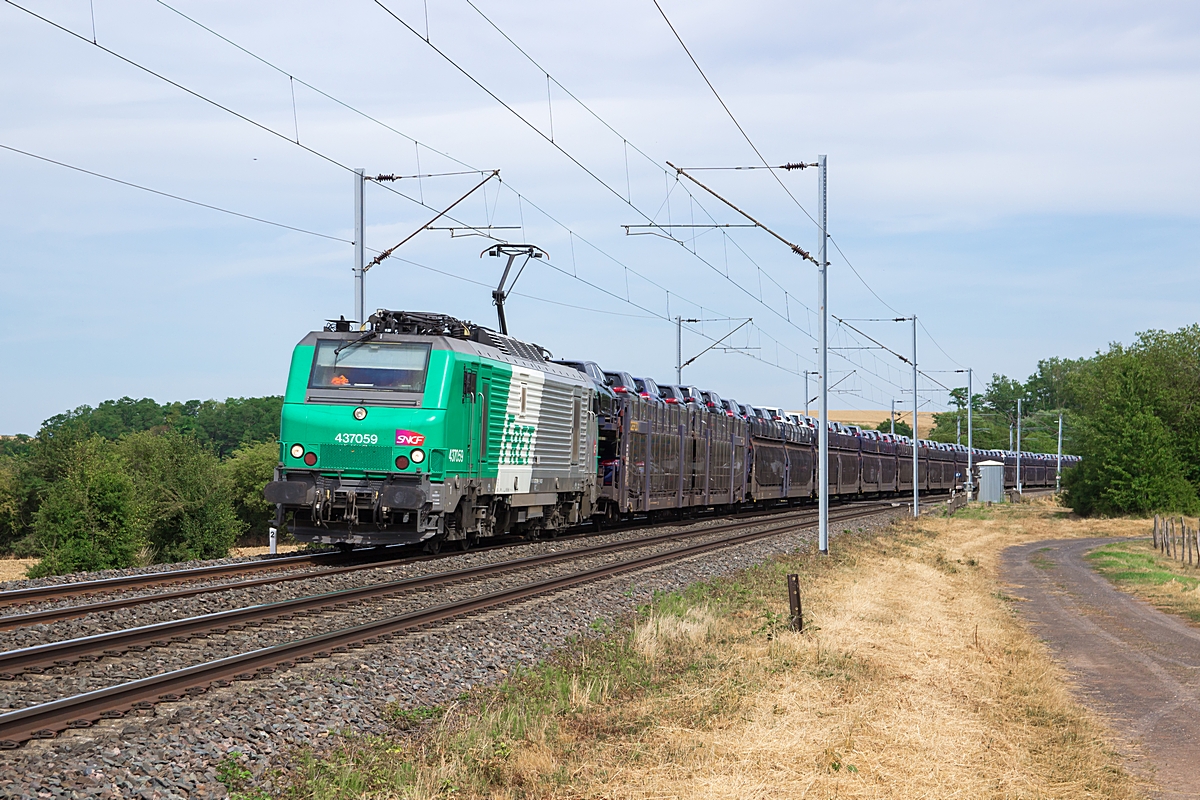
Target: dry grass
242 552
13 569
871 419
913 679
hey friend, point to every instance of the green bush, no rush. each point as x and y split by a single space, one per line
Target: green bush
187 496
188 513
902 428
249 470
90 518
11 523
1130 468
1139 432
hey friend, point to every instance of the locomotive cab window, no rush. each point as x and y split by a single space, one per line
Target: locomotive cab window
394 366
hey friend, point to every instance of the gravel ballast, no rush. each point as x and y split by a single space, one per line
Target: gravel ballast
175 750
229 595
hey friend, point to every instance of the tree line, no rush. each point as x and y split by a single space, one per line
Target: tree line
132 482
1132 412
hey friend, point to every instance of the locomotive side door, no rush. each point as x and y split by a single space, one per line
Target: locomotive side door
470 401
485 394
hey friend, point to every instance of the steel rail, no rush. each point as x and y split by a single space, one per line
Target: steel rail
161 634
80 711
23 619
366 559
33 593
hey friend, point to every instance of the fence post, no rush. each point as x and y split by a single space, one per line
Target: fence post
1182 538
1154 532
797 619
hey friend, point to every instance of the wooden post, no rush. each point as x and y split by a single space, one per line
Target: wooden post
1154 532
797 617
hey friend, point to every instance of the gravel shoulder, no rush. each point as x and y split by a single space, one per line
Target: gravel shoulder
177 750
1132 663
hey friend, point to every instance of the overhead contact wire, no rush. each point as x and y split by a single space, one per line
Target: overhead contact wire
765 164
175 196
576 161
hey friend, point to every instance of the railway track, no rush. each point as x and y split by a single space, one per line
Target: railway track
31 594
327 565
45 720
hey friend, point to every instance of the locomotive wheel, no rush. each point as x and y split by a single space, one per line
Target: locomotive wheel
433 546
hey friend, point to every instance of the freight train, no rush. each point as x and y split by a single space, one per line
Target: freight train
425 428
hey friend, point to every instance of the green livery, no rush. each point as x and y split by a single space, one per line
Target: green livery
429 429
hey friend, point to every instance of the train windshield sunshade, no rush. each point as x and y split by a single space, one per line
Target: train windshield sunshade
396 366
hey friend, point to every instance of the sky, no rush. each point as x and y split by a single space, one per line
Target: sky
1023 177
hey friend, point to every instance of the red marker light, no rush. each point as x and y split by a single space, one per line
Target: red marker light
310 458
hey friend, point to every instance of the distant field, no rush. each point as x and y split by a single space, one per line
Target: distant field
871 419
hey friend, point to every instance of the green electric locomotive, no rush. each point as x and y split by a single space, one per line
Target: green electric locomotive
425 428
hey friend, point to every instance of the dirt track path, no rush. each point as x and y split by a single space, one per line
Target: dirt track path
1133 663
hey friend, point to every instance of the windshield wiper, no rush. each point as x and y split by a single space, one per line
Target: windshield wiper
359 340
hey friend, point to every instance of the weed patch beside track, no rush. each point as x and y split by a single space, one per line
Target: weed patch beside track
912 678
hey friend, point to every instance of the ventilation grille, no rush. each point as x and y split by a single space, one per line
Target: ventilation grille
363 457
511 346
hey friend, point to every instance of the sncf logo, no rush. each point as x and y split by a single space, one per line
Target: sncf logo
410 438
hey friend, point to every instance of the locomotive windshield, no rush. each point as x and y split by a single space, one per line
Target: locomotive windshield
396 366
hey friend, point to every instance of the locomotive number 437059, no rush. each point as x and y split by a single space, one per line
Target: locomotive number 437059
357 438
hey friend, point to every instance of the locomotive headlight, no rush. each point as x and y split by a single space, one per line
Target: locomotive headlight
417 455
360 413
297 450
